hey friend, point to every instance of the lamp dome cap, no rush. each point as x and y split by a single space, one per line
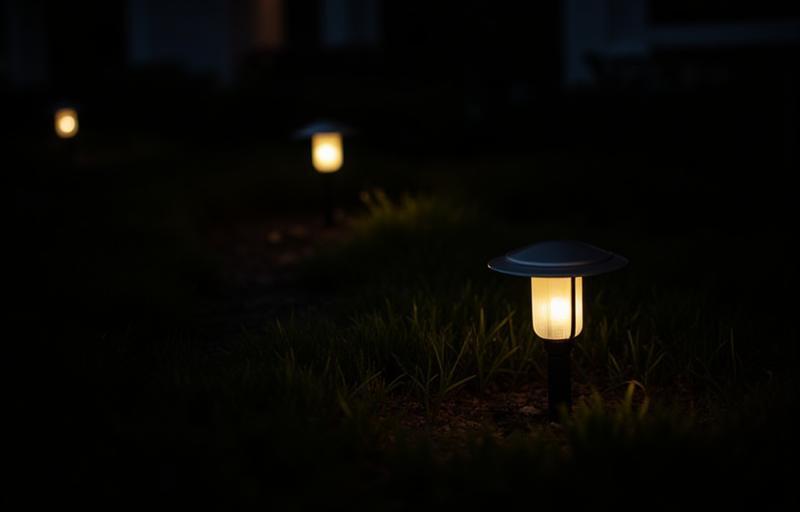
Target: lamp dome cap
558 258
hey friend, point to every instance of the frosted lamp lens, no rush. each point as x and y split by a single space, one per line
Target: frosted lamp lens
551 303
66 122
326 151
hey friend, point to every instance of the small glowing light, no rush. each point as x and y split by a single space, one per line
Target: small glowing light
326 151
66 121
559 309
551 303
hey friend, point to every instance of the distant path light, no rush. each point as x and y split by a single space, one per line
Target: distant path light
66 123
327 146
556 270
327 155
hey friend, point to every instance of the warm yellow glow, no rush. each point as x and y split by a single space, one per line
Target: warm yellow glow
326 151
551 303
66 123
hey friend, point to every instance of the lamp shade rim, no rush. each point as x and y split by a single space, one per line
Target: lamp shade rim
559 258
322 126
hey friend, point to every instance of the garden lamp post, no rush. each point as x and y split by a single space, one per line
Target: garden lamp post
66 126
556 270
327 156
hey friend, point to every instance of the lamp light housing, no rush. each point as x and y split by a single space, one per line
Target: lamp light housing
556 269
327 153
66 123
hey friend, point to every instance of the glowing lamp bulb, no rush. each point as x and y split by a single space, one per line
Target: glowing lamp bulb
66 123
326 151
552 303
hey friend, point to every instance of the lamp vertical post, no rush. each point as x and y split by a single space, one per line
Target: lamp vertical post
559 377
327 198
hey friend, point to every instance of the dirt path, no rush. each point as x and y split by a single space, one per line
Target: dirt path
257 266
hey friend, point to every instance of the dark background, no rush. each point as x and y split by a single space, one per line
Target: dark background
118 233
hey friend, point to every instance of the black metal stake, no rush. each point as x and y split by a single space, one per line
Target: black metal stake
327 183
559 371
559 377
67 152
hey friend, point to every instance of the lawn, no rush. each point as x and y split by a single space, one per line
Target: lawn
207 340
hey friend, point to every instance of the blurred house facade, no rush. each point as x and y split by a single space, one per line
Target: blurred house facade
215 37
204 37
621 40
